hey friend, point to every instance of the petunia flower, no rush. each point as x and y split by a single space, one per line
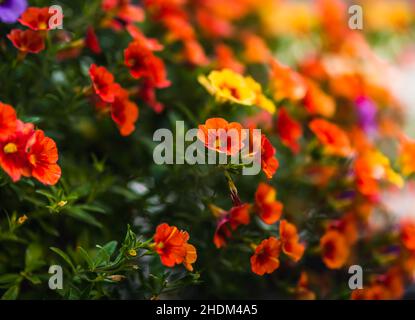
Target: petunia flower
269 163
42 155
103 83
10 10
171 245
124 112
266 256
144 64
219 135
13 151
290 241
268 208
289 130
27 41
334 249
334 139
8 121
36 18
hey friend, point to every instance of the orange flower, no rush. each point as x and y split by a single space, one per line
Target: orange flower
302 291
268 208
172 247
335 249
370 168
27 41
227 60
290 241
190 257
219 135
42 154
123 10
144 64
36 18
407 156
265 258
13 157
334 139
317 102
103 83
408 234
289 130
286 83
256 50
194 53
8 121
124 112
269 163
229 221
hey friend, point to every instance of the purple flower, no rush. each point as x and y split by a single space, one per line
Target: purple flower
10 10
367 110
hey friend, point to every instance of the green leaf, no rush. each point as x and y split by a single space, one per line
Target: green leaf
84 216
34 257
11 294
105 253
9 278
86 257
64 256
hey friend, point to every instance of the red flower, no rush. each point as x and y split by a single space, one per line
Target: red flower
172 247
290 240
27 41
42 155
289 130
335 140
144 64
103 83
8 121
148 94
91 41
124 112
226 59
230 221
269 163
408 234
36 18
13 157
268 208
265 258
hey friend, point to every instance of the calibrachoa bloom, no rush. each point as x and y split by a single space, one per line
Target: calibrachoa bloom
144 64
103 83
290 241
124 112
266 256
268 208
371 168
286 83
229 222
171 245
8 121
27 152
408 234
269 163
36 18
289 130
27 41
10 10
407 156
317 102
219 135
335 140
334 249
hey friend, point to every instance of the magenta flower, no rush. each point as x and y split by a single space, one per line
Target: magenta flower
10 10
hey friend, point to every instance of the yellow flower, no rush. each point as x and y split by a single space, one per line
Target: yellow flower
229 86
22 219
132 253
